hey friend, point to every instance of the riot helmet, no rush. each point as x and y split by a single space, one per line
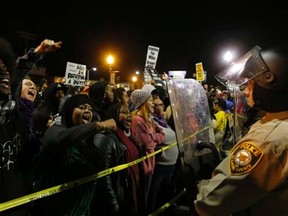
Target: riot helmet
269 71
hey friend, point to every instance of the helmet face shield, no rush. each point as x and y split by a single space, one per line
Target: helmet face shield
248 67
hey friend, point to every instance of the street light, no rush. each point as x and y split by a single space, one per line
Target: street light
228 56
110 61
88 71
134 79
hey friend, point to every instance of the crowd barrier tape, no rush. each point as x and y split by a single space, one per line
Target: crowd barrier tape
65 186
167 205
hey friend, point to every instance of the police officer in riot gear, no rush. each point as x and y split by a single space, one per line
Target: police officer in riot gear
253 178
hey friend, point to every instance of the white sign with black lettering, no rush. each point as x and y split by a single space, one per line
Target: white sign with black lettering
75 74
152 55
150 64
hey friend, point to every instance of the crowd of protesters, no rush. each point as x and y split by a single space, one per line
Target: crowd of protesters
66 133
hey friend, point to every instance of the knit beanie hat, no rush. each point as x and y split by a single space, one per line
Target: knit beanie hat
148 87
139 97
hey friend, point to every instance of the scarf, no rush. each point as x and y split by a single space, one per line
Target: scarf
26 107
161 121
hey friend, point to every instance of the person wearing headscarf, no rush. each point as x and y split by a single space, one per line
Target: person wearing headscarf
66 155
13 128
26 94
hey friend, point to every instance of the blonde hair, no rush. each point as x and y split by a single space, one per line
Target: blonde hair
144 113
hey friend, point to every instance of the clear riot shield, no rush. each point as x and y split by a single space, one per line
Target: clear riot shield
189 104
237 119
193 127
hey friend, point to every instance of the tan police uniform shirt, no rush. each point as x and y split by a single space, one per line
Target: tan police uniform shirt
253 178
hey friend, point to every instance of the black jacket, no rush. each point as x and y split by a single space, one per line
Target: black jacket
109 152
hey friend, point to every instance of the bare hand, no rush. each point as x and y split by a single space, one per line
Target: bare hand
110 124
165 76
47 46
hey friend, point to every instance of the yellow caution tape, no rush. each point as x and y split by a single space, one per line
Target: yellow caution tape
167 205
59 188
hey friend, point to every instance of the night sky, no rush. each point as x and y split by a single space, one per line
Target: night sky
187 32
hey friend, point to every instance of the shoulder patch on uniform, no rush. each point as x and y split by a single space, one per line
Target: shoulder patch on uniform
244 158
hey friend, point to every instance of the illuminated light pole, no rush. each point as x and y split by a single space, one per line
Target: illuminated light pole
110 61
134 81
228 56
88 71
137 76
